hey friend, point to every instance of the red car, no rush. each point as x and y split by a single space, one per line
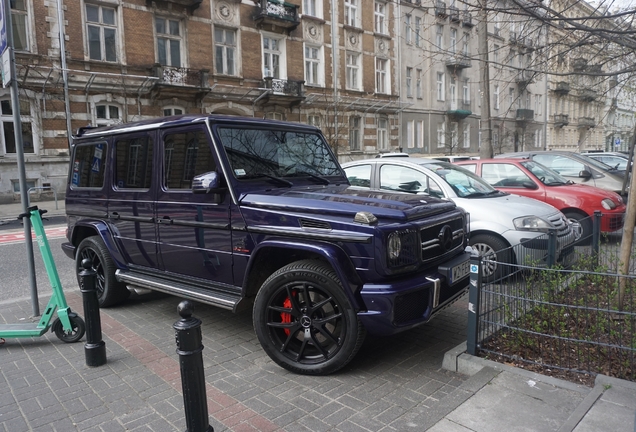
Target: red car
531 179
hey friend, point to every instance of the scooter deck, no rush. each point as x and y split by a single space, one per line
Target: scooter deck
21 330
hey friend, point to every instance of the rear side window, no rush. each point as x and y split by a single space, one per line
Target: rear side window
133 158
88 166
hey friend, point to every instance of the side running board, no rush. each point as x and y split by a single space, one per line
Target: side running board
192 292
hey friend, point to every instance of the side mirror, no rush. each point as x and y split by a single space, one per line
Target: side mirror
205 183
529 185
585 174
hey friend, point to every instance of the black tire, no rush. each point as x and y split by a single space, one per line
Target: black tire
583 224
109 290
307 292
493 251
78 325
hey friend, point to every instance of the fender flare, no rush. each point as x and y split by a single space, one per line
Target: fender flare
101 229
332 254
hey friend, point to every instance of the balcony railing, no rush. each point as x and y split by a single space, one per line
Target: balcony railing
458 61
562 87
467 19
458 108
453 13
561 120
182 76
190 4
440 8
524 114
524 77
578 64
285 87
587 95
278 13
586 122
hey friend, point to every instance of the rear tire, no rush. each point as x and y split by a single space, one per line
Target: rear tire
493 252
109 290
304 320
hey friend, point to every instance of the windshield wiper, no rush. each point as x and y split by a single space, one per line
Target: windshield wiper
556 183
475 194
278 180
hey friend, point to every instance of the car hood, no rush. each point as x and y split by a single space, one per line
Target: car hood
503 209
346 200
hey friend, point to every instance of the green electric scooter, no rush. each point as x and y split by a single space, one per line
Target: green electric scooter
68 326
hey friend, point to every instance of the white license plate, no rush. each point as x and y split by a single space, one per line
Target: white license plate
460 271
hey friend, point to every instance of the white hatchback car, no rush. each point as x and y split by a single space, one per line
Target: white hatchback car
508 228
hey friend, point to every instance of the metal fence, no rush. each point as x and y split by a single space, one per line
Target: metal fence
567 310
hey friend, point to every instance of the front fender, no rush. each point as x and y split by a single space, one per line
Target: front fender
332 254
86 228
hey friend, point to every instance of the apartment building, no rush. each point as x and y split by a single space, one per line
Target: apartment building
128 60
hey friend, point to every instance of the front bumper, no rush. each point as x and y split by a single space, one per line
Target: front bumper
405 303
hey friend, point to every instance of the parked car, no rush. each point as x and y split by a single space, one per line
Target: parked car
576 167
617 160
452 158
531 179
498 221
390 155
242 212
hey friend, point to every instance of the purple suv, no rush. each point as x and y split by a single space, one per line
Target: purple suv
249 213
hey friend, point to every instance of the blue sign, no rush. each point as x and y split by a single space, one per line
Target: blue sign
617 142
3 29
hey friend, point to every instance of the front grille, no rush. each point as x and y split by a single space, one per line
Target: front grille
616 222
561 224
435 240
409 307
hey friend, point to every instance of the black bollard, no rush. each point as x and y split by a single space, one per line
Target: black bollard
95 347
190 349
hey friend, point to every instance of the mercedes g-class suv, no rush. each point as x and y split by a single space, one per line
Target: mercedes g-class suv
241 212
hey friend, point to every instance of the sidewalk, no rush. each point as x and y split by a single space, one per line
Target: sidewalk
416 381
10 212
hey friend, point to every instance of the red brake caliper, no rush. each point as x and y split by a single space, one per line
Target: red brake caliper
286 317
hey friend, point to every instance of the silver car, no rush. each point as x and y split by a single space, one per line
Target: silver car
504 227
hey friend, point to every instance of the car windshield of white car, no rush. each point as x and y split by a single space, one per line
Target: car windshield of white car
464 183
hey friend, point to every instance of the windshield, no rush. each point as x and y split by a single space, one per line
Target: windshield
257 153
464 183
544 174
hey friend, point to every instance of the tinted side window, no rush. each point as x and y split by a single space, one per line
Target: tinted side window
186 155
133 159
88 166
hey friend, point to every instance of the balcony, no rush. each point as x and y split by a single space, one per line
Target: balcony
191 5
524 77
586 122
458 61
561 120
453 13
524 115
578 64
458 109
467 19
587 95
529 44
284 92
274 15
562 88
179 82
440 9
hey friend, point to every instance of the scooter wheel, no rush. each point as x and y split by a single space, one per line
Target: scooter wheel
77 332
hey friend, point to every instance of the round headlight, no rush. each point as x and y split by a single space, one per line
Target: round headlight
394 246
608 204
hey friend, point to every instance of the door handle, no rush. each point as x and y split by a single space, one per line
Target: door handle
166 220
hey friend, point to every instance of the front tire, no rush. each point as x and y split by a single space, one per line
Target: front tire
78 328
493 252
304 320
109 290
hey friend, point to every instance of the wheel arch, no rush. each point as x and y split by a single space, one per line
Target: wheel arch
85 229
269 256
497 235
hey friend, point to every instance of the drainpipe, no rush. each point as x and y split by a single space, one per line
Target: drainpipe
67 103
335 60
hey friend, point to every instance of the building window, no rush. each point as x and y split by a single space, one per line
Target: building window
225 51
467 135
19 22
511 97
313 120
8 129
106 115
354 133
272 57
441 135
496 95
453 41
418 27
381 76
383 134
168 41
496 25
274 115
537 104
409 134
101 31
409 79
380 17
538 139
419 134
454 135
313 65
351 13
440 86
439 37
353 71
312 8
408 31
495 55
466 92
453 93
466 48
170 111
418 83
